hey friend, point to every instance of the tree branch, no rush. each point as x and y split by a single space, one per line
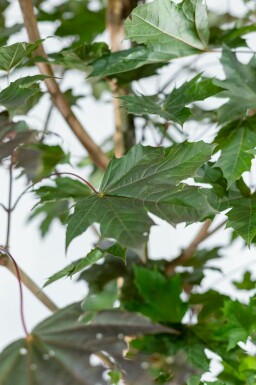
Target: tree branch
29 283
60 101
188 253
124 136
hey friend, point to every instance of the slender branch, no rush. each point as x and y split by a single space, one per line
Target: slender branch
59 99
29 283
4 207
47 120
9 209
124 136
188 253
17 272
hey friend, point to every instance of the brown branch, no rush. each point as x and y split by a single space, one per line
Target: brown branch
60 101
29 283
188 253
124 137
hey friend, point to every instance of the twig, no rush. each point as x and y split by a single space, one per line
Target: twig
47 120
9 208
190 250
4 207
59 99
29 283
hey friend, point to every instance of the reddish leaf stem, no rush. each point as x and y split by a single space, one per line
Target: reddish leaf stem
22 316
79 177
54 174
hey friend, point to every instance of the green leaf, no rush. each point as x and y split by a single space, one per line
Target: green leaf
241 322
240 87
247 282
173 107
79 57
194 380
186 35
115 377
144 180
242 217
80 17
63 188
17 95
92 257
161 296
126 64
48 213
235 140
103 300
59 349
12 55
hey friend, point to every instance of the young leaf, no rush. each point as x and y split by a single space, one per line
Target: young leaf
144 180
92 257
12 55
59 349
234 140
173 107
186 35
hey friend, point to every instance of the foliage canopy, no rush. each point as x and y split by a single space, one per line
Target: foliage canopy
146 320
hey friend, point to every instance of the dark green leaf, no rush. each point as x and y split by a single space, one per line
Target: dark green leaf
59 349
144 180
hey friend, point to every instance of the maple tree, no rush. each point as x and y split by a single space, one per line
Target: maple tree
145 320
